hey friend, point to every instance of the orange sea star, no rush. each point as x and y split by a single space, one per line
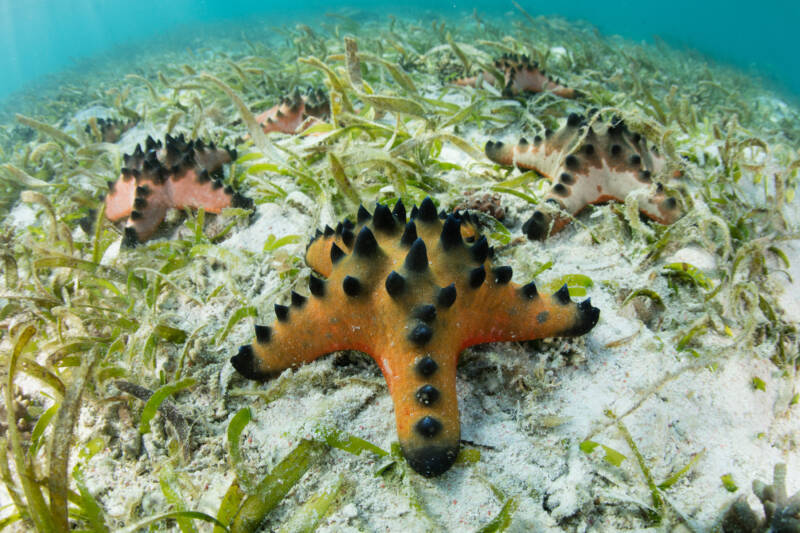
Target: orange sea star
180 175
412 295
296 112
588 167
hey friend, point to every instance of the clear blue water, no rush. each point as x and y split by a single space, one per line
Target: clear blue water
39 37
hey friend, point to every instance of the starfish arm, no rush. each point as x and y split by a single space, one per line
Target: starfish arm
316 104
660 207
477 80
616 186
212 158
296 113
532 80
422 383
563 92
286 116
110 129
318 254
545 157
119 200
199 190
303 333
509 312
280 119
149 209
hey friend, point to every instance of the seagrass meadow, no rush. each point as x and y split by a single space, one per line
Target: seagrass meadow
122 410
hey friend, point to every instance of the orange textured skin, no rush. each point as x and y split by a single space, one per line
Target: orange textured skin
405 329
180 175
473 81
586 167
295 113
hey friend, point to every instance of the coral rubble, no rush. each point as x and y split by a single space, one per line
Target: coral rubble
781 512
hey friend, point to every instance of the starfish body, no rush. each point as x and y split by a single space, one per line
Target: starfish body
521 76
178 175
412 295
296 112
588 167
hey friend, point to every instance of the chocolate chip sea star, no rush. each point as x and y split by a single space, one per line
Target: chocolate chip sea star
586 166
296 112
412 295
110 129
521 76
178 175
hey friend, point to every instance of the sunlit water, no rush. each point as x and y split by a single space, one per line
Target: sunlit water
39 37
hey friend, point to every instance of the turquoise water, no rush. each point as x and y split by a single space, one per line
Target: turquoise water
40 37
